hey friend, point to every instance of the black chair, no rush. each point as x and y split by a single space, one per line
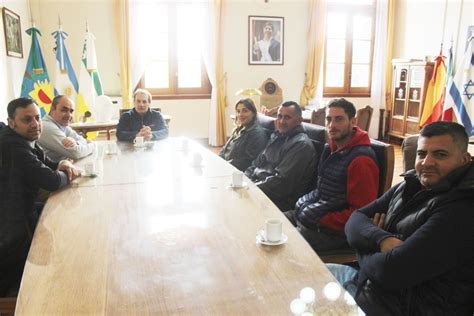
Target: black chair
2 125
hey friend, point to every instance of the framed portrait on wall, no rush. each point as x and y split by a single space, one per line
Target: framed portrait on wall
12 29
266 39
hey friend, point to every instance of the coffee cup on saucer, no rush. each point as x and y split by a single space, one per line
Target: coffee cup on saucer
197 159
273 230
112 148
139 141
90 169
237 179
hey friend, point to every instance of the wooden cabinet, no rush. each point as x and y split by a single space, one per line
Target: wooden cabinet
409 84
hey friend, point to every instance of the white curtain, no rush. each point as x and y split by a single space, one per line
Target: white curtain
212 45
145 20
377 94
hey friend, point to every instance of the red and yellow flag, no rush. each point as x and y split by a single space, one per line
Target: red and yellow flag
435 94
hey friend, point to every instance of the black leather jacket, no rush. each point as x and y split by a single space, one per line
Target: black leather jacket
432 272
285 168
245 146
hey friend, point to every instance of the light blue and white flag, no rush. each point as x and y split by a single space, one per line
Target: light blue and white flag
65 81
460 91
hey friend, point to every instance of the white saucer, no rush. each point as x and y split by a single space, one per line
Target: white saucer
90 175
244 185
260 239
139 146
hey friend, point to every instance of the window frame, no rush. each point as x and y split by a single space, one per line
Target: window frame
346 90
173 91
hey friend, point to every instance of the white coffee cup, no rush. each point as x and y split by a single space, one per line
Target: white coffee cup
197 159
139 141
112 148
273 229
90 169
237 179
185 144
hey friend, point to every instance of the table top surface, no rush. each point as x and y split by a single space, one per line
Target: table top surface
154 234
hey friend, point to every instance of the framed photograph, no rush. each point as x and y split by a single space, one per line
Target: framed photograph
12 29
266 37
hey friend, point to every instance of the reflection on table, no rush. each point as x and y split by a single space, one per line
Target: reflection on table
154 234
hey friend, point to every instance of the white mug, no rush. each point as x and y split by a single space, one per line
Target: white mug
197 159
185 144
237 178
139 141
89 168
112 148
273 229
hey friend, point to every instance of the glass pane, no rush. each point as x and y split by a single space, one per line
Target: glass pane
336 51
362 27
189 74
361 52
190 37
360 76
156 75
336 25
334 75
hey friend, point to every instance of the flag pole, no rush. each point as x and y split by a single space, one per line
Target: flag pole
444 25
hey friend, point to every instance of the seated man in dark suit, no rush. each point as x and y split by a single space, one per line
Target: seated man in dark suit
348 178
415 243
285 167
24 169
141 120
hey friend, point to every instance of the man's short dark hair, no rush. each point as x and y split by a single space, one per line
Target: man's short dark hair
56 101
295 105
18 103
456 131
347 106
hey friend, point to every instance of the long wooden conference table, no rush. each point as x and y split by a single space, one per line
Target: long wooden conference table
154 234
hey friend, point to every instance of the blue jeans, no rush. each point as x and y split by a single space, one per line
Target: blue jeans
345 275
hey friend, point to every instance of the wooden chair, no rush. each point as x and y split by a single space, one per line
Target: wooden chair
7 305
363 117
318 117
385 154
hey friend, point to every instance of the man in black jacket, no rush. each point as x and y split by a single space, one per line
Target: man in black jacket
24 169
141 121
284 169
415 243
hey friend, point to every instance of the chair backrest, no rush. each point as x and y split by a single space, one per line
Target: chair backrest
363 117
409 146
385 154
121 111
2 125
318 117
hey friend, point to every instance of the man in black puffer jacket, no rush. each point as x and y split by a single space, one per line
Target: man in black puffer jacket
415 244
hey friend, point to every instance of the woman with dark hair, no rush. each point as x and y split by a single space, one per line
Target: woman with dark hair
247 140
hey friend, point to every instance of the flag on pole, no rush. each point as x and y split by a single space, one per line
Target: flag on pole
90 85
66 81
448 114
435 94
461 90
36 83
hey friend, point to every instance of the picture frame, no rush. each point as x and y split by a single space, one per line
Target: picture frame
266 40
12 32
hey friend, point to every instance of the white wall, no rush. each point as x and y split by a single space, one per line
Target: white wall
419 27
11 68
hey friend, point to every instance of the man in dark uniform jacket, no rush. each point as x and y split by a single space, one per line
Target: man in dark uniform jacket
24 169
141 121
